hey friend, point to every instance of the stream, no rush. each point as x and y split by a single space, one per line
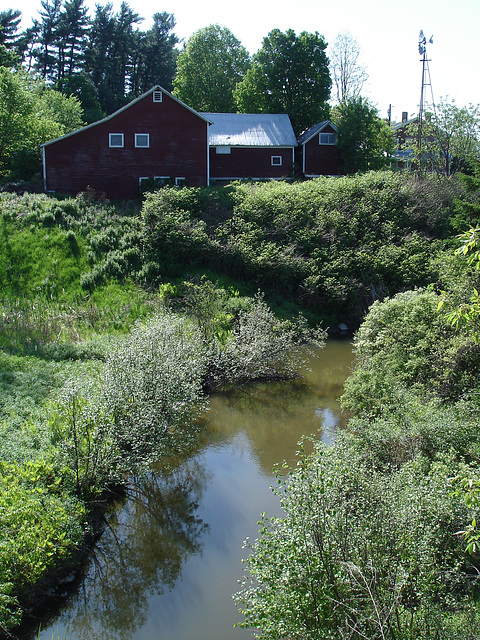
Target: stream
170 560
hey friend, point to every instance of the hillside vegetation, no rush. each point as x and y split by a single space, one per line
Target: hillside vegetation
93 291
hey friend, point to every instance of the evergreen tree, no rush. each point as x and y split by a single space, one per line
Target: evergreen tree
47 45
155 55
74 23
9 23
97 54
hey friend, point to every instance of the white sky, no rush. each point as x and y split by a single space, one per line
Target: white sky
387 33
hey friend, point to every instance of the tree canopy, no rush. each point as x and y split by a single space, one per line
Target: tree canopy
364 139
31 114
114 58
289 74
211 64
450 138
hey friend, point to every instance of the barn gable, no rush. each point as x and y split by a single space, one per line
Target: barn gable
317 152
250 146
156 136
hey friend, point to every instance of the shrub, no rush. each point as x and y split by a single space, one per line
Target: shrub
405 341
358 554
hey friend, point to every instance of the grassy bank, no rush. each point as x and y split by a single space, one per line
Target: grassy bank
104 303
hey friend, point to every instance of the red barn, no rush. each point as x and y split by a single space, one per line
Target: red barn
156 136
250 146
318 154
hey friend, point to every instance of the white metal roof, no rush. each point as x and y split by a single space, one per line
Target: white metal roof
250 130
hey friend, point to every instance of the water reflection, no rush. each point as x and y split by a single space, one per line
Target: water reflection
168 565
276 415
140 554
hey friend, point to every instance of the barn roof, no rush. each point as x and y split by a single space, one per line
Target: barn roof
312 131
127 106
250 130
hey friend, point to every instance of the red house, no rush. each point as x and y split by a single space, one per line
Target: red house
155 137
250 146
317 153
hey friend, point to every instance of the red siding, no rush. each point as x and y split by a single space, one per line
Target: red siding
320 159
249 162
178 149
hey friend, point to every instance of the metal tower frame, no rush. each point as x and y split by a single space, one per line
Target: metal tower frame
426 82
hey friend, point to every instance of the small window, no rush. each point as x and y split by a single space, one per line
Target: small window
180 182
328 138
223 151
162 181
142 140
157 96
276 161
115 140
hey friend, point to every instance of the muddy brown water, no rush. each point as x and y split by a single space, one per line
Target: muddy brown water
168 564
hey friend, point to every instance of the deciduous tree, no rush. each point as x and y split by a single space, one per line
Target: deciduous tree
364 139
348 74
208 69
289 74
31 114
450 138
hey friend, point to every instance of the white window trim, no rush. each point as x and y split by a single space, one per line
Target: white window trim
276 164
178 181
115 146
157 96
331 136
142 146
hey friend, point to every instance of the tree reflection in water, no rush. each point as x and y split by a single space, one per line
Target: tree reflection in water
141 553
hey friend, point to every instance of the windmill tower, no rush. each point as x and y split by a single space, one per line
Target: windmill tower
426 82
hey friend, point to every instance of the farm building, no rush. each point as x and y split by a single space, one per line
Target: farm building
157 139
317 152
250 146
153 137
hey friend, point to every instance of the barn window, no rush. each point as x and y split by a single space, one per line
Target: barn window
157 96
327 138
276 161
115 140
223 151
142 140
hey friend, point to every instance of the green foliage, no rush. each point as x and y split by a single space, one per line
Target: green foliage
359 552
405 342
364 139
210 65
468 488
32 494
31 114
467 315
262 347
450 138
289 74
333 246
153 387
